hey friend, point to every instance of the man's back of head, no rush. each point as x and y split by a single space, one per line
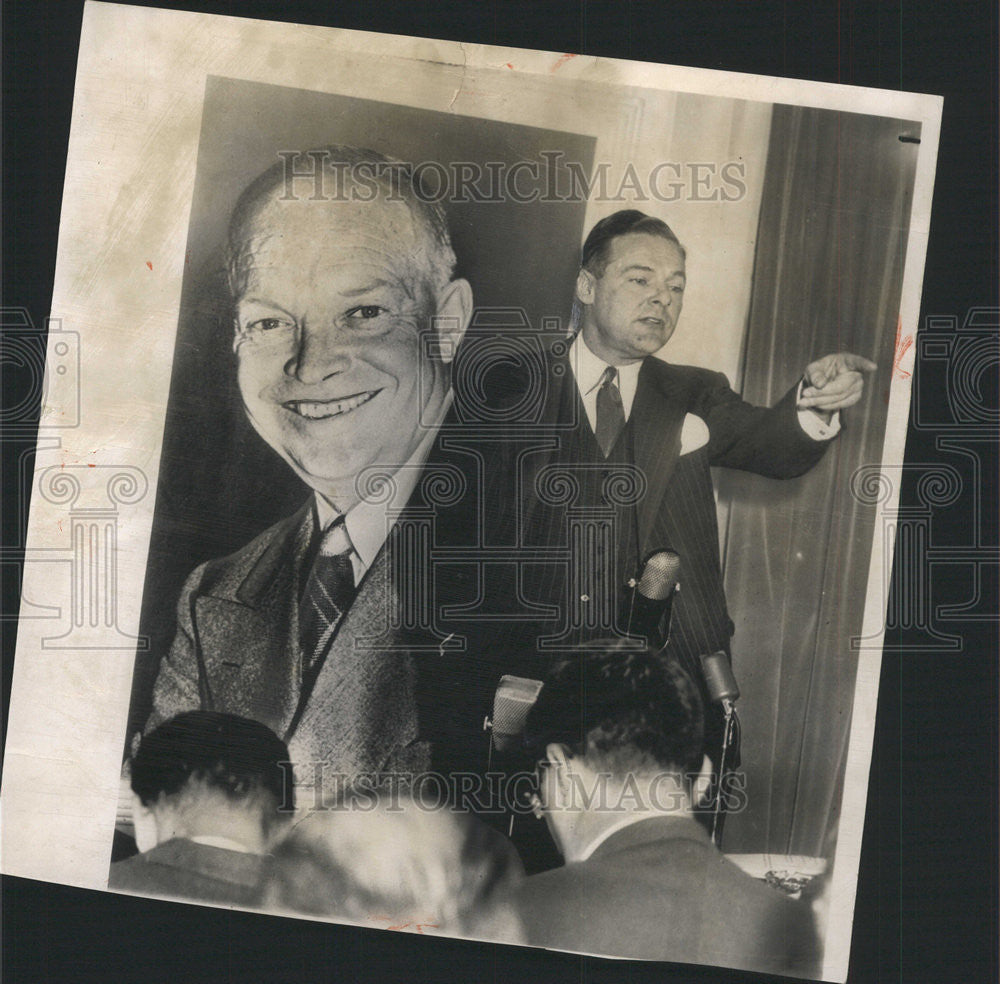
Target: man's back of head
618 738
611 720
204 774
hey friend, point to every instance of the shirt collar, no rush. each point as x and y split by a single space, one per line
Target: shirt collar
686 825
589 368
365 521
224 843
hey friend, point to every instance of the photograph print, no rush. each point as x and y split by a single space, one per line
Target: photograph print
509 551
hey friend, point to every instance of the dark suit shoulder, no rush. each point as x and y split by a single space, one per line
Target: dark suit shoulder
668 899
225 575
183 869
688 383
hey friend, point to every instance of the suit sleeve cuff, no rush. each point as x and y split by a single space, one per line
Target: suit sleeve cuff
812 422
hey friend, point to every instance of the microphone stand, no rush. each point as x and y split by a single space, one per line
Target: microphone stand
728 730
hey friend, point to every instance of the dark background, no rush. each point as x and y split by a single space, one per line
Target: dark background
927 903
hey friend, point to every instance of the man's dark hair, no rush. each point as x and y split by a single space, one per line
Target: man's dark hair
239 757
628 220
622 711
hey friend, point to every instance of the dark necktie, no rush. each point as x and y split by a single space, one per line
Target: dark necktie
328 595
610 412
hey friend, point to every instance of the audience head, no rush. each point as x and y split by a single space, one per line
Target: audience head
207 774
615 732
390 858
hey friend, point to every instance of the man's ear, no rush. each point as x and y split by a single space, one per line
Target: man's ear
454 310
558 755
585 287
562 761
703 782
144 825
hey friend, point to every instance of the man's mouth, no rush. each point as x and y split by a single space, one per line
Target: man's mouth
324 409
655 322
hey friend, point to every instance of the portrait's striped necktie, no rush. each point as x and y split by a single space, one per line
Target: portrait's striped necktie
328 595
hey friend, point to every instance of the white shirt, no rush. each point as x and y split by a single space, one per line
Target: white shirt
225 843
588 369
625 821
366 522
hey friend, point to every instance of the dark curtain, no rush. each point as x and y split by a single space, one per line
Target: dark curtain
827 278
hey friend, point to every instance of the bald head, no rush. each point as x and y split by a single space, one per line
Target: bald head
329 181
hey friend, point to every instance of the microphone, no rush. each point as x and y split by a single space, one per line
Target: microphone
722 689
513 700
653 598
719 679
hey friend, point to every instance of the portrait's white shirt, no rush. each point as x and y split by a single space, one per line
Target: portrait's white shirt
589 368
366 522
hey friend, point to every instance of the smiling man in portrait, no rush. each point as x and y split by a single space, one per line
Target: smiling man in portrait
347 319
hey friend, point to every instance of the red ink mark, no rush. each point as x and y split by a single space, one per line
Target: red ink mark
91 466
418 926
903 343
150 265
508 64
562 61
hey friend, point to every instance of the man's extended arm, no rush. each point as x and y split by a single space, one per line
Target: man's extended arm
772 441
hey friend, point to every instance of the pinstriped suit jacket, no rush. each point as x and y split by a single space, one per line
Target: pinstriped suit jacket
677 509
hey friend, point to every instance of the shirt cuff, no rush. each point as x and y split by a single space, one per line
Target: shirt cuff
812 423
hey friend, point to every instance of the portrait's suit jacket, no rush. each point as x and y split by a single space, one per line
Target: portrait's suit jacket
660 890
384 706
673 406
184 869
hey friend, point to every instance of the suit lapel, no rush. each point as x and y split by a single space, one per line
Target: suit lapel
256 627
657 419
361 711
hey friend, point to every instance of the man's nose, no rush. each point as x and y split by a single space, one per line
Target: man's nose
663 296
320 352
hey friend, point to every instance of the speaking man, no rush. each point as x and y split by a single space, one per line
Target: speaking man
347 318
618 741
618 410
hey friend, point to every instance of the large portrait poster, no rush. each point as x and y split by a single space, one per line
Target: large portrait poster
395 387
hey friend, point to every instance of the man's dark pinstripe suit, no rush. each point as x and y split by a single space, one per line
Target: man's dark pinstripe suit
677 509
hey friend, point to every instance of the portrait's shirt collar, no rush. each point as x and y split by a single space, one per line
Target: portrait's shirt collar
366 522
588 370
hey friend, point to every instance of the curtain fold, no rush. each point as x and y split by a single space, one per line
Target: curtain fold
827 278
